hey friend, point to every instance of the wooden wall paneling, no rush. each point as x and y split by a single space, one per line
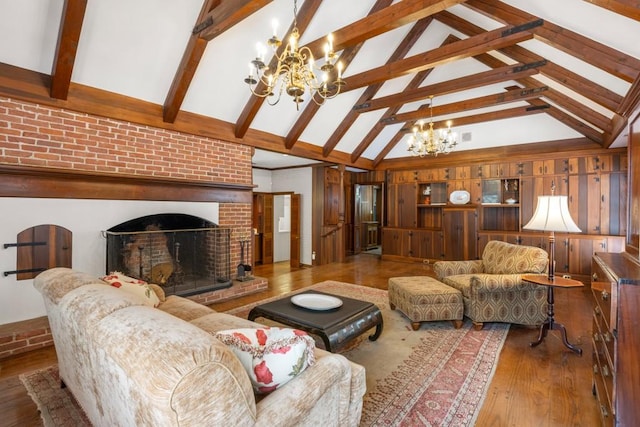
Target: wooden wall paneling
332 193
633 227
392 206
267 235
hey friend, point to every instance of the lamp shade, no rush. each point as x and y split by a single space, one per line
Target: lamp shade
552 214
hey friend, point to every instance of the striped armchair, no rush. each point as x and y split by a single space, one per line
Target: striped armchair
492 287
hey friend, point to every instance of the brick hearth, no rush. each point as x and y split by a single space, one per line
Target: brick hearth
20 337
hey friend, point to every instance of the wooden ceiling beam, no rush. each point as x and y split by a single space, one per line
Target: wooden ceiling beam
250 110
461 121
508 113
401 51
571 122
563 102
628 8
215 17
568 146
68 37
226 14
392 17
587 114
576 82
513 95
31 86
472 81
490 40
378 127
610 60
310 111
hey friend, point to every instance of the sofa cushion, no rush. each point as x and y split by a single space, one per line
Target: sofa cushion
133 286
506 258
184 308
271 356
461 282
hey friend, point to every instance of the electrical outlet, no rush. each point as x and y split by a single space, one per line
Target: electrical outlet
313 255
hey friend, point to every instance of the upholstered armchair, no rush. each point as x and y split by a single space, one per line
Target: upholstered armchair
492 287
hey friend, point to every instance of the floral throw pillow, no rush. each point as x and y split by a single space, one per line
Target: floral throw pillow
271 356
134 286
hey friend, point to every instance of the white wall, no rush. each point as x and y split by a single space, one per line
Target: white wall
299 181
262 179
85 219
281 228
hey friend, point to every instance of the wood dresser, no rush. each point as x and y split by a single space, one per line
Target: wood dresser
616 337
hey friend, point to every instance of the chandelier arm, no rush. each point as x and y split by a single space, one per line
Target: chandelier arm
295 70
427 142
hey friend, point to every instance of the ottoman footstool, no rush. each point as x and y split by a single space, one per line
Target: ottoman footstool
425 299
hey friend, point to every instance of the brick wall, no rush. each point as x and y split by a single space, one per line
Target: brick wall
44 137
34 135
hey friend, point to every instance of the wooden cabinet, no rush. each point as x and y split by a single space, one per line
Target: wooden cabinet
595 182
395 242
549 166
401 207
615 284
426 244
582 249
459 227
500 209
418 244
495 170
591 205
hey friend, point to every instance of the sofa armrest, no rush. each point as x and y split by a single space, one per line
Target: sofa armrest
314 392
450 268
492 283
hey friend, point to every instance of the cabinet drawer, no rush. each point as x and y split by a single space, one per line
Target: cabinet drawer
603 382
603 337
601 287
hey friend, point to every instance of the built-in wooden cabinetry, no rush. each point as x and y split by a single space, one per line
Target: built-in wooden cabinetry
615 285
421 223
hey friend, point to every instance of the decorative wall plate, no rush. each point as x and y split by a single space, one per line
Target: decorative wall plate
316 301
459 197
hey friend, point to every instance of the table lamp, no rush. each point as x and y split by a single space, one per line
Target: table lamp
552 214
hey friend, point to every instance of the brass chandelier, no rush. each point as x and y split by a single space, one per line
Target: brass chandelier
296 70
428 142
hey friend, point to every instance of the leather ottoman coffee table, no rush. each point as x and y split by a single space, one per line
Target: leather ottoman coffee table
335 326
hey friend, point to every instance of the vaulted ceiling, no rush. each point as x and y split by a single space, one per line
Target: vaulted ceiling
511 75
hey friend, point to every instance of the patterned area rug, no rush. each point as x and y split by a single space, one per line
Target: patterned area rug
436 376
57 406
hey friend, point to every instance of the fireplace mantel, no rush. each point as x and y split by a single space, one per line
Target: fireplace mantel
20 181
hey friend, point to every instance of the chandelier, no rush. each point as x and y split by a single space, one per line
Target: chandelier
428 142
296 70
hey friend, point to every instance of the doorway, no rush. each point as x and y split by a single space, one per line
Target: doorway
368 218
276 228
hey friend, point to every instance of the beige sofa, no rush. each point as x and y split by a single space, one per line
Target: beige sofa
129 364
492 287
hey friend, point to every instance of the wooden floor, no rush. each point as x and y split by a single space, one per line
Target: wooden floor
543 386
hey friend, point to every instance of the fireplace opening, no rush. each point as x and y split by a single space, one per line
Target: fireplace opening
184 254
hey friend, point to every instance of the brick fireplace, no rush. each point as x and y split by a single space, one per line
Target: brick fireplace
184 254
56 153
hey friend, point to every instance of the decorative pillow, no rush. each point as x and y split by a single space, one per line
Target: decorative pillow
271 356
134 286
